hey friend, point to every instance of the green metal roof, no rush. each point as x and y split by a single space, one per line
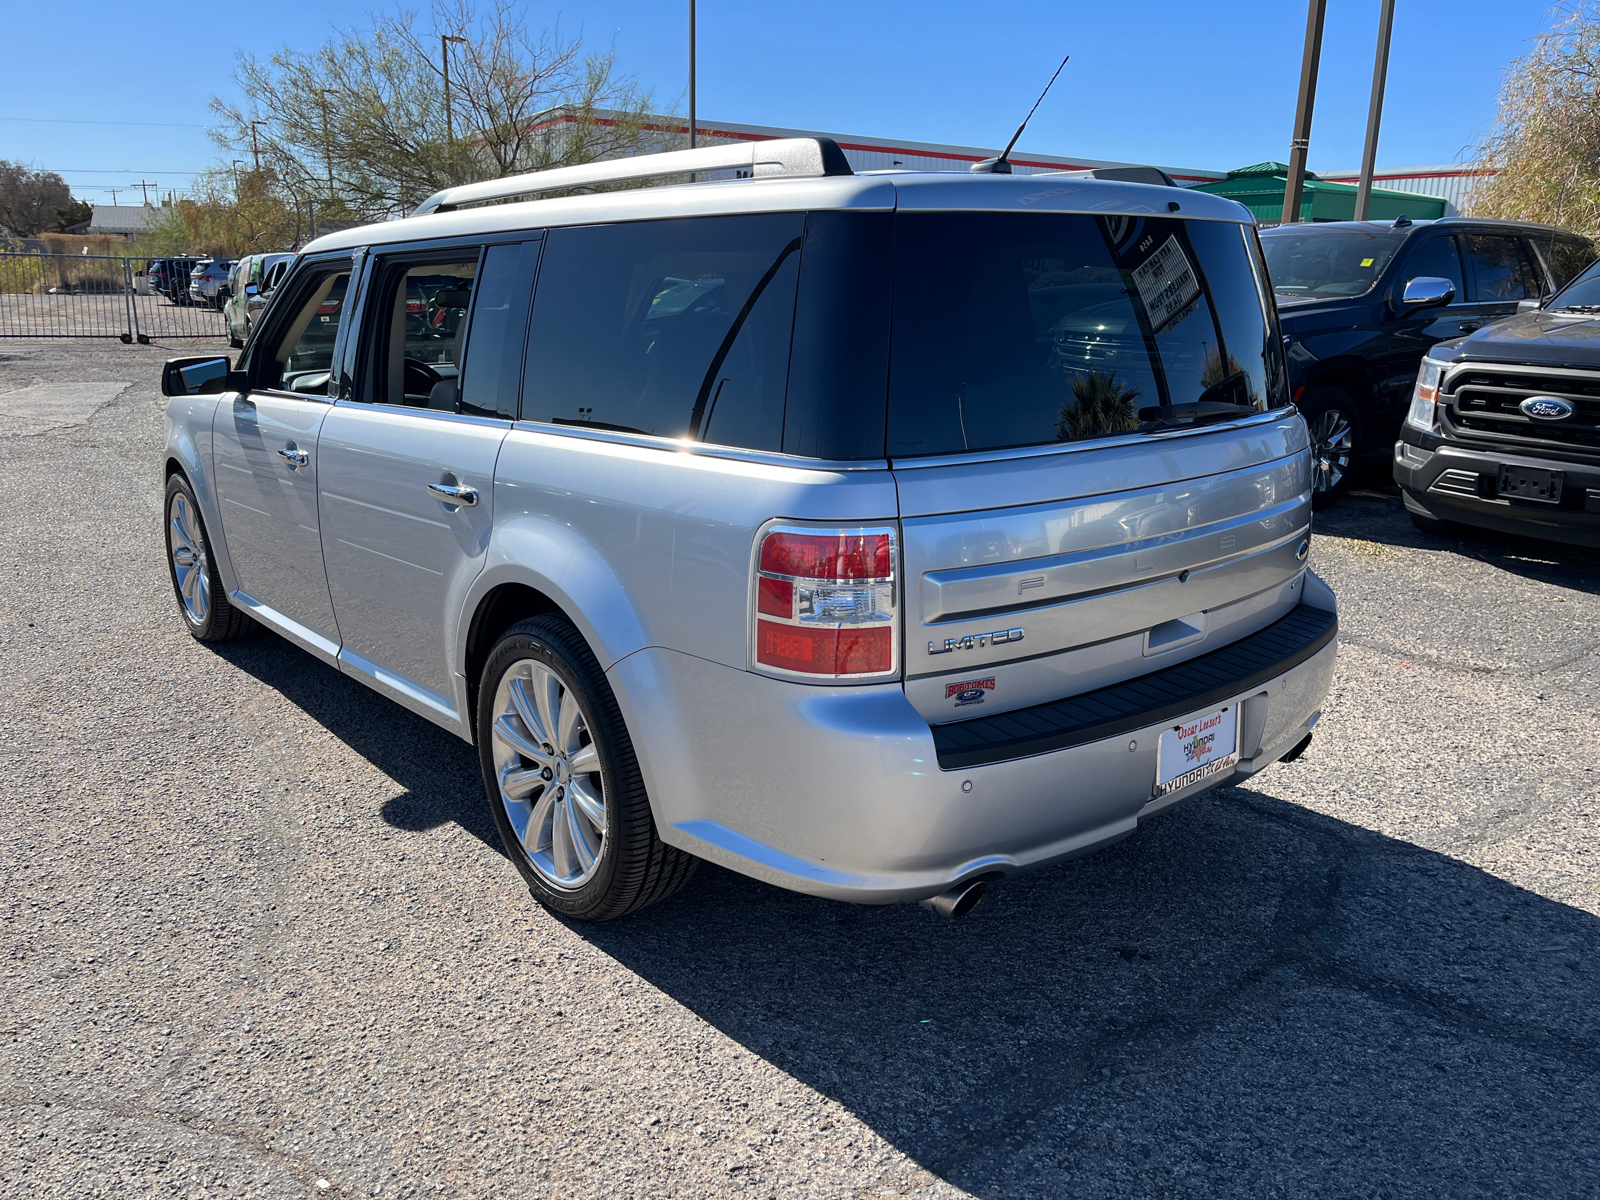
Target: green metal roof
1260 189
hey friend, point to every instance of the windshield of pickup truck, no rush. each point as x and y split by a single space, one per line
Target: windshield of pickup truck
1583 293
1023 329
1316 262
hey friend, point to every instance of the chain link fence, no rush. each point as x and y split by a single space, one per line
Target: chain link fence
94 296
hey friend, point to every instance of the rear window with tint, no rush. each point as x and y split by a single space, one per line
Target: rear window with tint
1027 329
678 328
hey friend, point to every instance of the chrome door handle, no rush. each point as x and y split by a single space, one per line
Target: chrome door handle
463 494
295 458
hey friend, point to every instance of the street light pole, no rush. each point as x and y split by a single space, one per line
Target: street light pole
1380 73
691 76
255 147
449 119
1315 11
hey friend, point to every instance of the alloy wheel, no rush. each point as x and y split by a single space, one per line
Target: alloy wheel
1332 445
547 768
187 546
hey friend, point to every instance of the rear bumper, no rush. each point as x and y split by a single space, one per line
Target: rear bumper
840 792
1455 483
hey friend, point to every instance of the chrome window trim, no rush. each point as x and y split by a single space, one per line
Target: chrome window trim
282 394
352 404
1132 439
646 441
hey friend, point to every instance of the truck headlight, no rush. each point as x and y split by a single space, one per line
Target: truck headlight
1425 397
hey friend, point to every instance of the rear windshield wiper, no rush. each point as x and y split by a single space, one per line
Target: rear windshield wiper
1201 412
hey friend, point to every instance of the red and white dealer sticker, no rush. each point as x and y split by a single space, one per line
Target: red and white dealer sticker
1197 750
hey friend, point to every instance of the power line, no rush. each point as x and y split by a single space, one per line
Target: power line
71 121
118 171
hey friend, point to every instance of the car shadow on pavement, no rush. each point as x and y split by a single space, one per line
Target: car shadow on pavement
438 771
1245 998
1377 514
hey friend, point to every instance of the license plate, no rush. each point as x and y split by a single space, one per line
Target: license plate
1531 483
1197 750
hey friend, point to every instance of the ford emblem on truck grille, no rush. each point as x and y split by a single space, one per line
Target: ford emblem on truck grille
1546 408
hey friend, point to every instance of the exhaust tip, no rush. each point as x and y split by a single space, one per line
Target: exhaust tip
958 901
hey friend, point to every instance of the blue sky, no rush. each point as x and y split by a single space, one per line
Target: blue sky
1178 84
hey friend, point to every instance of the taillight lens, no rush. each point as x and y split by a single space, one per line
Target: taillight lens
826 602
1426 395
327 306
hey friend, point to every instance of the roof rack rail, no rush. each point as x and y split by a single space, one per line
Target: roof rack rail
793 157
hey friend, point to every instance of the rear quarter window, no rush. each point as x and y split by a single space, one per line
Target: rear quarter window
676 328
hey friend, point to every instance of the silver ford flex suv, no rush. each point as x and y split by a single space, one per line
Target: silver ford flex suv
876 536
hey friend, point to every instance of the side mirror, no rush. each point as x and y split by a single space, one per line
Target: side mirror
204 376
1427 291
1529 305
251 289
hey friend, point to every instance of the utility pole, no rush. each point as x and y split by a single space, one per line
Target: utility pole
1380 73
449 120
143 186
691 76
327 136
236 163
1315 11
255 147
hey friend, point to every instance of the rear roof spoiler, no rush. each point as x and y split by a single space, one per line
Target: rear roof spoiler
1122 175
792 157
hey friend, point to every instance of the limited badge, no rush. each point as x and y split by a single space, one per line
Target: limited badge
970 692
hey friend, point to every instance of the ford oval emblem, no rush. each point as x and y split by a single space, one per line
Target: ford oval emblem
1546 408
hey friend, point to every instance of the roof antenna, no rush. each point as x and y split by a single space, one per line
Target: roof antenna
1000 166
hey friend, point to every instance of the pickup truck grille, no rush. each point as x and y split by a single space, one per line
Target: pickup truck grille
1483 401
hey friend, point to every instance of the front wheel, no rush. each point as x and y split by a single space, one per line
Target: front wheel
563 783
1332 422
207 612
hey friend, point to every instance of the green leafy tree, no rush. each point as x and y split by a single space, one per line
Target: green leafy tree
1544 146
30 200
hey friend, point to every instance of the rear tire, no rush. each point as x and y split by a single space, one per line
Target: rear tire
562 780
202 601
1333 423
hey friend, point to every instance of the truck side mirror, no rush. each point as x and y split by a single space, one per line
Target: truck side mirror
1427 291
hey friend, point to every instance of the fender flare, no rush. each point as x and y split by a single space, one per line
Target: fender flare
571 573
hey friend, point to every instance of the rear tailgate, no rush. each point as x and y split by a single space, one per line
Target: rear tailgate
1042 575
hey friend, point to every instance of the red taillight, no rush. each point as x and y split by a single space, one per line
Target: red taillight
848 554
326 307
826 602
414 306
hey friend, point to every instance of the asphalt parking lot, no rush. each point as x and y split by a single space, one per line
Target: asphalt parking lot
257 938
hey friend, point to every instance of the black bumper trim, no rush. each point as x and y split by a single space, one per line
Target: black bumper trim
1137 703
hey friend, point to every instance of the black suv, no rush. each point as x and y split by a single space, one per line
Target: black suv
170 277
1503 429
1355 336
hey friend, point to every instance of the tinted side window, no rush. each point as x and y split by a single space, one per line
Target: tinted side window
1499 269
839 367
677 328
1436 257
1566 258
492 373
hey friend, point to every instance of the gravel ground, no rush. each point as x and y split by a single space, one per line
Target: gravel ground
257 938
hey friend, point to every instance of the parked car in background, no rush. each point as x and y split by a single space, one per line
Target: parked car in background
798 522
1503 430
249 288
169 277
208 282
1354 338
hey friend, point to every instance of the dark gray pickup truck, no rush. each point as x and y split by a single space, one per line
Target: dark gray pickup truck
1504 426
